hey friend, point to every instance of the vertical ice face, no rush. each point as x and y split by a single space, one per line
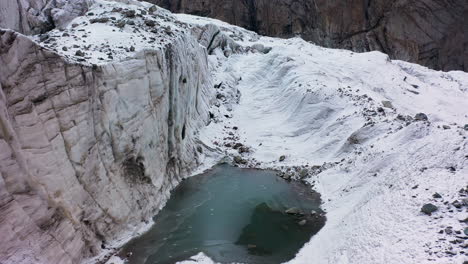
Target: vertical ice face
88 152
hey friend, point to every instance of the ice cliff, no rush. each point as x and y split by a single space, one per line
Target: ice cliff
89 150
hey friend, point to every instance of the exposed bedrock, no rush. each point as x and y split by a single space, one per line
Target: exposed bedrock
87 153
428 32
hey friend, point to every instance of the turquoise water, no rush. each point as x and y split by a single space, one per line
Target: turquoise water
232 215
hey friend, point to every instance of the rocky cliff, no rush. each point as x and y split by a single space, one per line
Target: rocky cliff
91 150
429 32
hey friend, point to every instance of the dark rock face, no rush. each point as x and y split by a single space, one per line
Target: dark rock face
429 32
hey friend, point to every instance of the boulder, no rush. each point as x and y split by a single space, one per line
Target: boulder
286 176
243 149
303 173
152 9
293 210
129 13
240 160
387 104
261 48
99 20
420 117
457 204
121 23
428 208
237 145
150 23
79 53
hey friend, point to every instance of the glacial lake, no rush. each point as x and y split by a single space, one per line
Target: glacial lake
232 215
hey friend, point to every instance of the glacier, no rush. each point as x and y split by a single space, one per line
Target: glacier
92 142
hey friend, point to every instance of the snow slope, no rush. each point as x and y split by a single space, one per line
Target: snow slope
113 31
352 117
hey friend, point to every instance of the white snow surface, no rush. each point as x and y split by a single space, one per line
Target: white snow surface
324 107
103 42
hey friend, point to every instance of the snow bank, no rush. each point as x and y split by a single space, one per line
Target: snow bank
352 116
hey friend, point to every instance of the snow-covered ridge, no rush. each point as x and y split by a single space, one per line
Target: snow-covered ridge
112 31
